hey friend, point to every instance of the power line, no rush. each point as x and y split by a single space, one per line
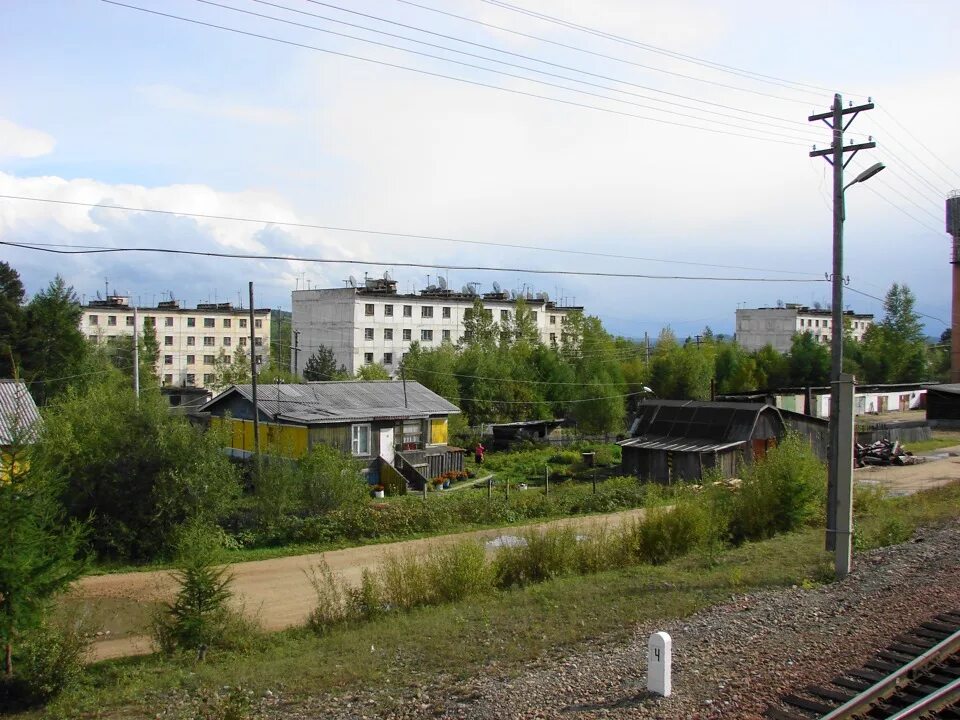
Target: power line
669 53
940 177
897 207
412 236
516 65
431 73
483 268
492 70
917 140
881 300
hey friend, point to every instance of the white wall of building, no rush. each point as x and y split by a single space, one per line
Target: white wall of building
757 327
189 340
365 328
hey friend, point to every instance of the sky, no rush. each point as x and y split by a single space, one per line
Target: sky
108 105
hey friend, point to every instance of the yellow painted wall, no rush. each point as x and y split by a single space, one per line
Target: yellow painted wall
283 440
438 431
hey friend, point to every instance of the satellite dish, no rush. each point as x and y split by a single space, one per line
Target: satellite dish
496 288
442 282
353 281
546 298
386 276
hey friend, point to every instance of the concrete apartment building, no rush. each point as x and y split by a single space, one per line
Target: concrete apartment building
776 326
189 339
372 323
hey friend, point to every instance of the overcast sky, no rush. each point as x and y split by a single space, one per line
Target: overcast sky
104 104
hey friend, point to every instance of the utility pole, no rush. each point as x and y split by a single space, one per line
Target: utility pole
136 358
253 379
296 353
840 458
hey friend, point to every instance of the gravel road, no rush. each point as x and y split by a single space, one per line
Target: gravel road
729 661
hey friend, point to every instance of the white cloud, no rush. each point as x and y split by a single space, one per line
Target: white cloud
21 142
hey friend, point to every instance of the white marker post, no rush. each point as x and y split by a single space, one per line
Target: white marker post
659 661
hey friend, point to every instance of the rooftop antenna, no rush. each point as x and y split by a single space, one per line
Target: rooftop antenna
352 281
106 286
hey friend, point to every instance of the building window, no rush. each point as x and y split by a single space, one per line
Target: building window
243 322
360 439
446 313
426 311
227 322
191 380
168 359
227 342
426 335
411 434
407 311
168 340
259 360
129 320
368 358
258 341
553 338
209 341
226 359
446 335
243 341
816 323
92 338
407 335
191 340
168 322
191 359
826 323
149 321
258 323
388 310
208 379
388 358
111 319
191 322
368 333
504 314
388 333
553 319
209 359
533 314
168 379
368 309
209 322
111 337
94 320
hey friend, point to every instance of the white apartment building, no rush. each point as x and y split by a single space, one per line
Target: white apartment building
373 323
776 326
189 339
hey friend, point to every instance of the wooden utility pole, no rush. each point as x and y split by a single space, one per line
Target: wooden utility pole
136 358
253 378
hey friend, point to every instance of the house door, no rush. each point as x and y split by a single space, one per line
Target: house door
386 444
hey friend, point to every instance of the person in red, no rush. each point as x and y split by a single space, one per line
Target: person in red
478 453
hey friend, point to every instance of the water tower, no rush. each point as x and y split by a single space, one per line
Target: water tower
953 228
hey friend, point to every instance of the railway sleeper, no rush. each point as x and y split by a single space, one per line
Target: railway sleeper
921 642
839 696
775 713
853 683
897 657
911 650
950 617
808 704
882 665
936 635
947 629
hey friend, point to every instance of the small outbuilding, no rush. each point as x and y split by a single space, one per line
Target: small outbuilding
673 440
19 425
943 405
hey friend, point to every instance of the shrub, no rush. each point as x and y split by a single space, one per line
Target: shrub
458 571
331 607
665 533
365 602
49 659
541 556
564 457
779 493
404 582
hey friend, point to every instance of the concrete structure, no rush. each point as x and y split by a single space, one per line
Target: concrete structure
373 323
776 326
189 339
953 229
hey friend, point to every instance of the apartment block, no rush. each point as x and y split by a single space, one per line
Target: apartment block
776 326
373 323
189 339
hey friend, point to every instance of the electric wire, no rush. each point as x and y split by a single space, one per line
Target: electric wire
502 72
881 300
431 73
937 175
917 140
938 192
333 228
797 123
334 261
900 209
750 74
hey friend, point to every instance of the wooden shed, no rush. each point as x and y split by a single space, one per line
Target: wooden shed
943 405
673 440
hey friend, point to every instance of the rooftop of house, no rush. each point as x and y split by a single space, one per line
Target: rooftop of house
341 401
19 417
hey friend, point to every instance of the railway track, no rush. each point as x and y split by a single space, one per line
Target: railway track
916 676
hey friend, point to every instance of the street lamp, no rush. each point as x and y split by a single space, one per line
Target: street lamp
840 493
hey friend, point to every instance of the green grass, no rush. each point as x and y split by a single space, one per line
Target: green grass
940 439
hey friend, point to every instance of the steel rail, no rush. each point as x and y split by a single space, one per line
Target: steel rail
943 697
892 682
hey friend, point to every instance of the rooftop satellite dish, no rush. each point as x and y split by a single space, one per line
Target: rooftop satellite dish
496 288
546 298
353 281
442 281
386 276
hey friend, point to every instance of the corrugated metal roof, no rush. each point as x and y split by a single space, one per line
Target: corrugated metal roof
949 388
17 411
662 442
699 422
342 401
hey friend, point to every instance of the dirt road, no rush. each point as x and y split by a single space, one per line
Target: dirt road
940 468
276 592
